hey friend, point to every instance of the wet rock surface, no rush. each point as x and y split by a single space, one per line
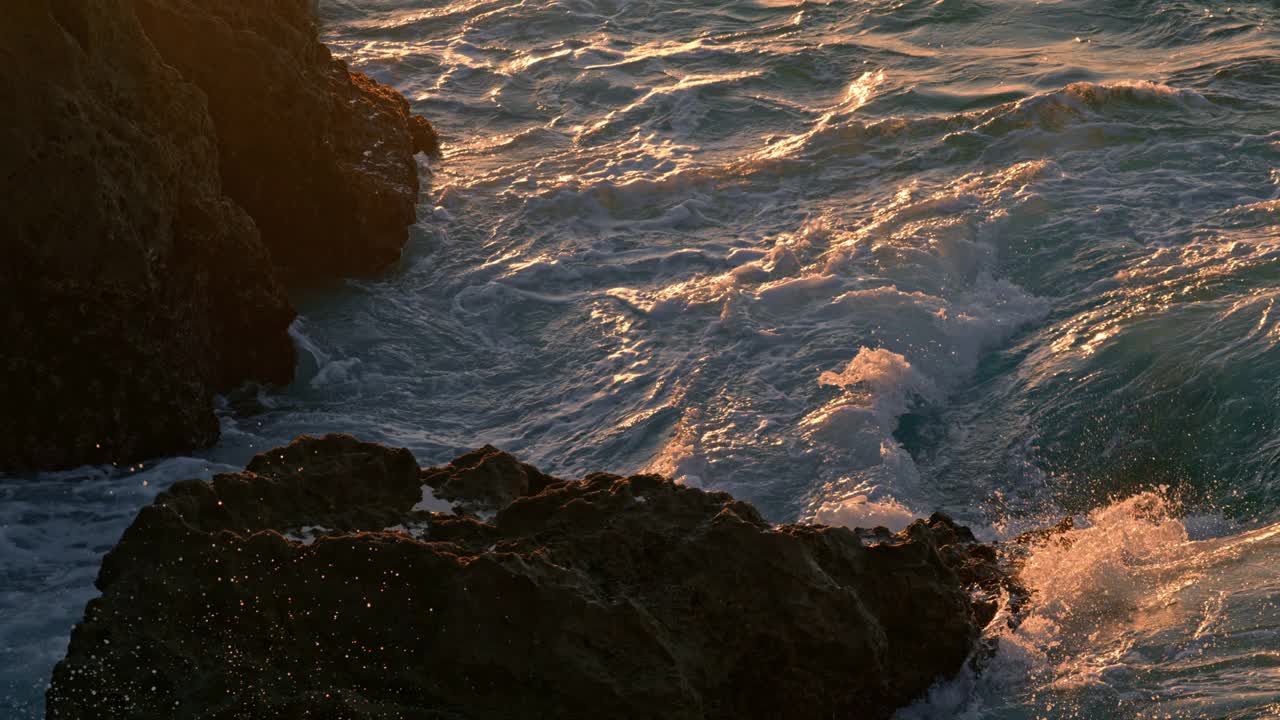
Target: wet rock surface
608 596
131 288
165 164
322 158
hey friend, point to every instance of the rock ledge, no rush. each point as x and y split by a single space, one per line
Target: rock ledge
318 583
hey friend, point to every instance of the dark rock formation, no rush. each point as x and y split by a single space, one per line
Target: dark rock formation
128 283
485 481
321 157
131 288
604 597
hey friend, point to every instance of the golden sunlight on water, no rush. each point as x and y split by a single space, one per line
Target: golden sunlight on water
851 261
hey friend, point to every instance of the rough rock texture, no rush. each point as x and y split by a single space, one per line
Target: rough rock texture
131 288
322 158
128 282
605 597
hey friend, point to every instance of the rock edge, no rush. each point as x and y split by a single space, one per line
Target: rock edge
319 583
167 165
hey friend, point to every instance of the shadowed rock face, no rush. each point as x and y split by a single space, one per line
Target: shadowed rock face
320 157
128 282
604 597
131 288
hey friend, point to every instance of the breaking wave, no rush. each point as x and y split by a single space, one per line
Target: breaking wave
851 261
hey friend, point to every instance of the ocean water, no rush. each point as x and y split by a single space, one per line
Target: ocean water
853 261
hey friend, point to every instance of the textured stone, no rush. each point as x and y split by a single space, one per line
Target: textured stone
131 288
322 158
621 597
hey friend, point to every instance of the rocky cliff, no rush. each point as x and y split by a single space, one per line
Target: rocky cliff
321 157
324 581
128 281
154 196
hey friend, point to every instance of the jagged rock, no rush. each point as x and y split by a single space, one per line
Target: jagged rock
485 481
131 289
322 158
620 597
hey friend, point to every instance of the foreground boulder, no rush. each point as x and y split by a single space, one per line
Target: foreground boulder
131 288
321 157
319 583
133 283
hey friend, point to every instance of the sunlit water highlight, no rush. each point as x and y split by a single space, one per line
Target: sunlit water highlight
852 261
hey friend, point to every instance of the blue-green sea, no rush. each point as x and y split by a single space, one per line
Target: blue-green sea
854 261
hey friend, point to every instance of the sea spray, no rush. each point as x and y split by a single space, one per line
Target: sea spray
657 225
1131 616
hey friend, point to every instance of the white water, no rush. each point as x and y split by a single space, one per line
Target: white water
1136 617
851 261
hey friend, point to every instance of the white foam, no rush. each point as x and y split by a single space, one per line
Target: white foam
1119 602
417 531
1101 569
431 503
307 535
899 310
860 511
649 241
335 372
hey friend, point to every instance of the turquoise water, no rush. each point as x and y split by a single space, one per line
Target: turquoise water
852 261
